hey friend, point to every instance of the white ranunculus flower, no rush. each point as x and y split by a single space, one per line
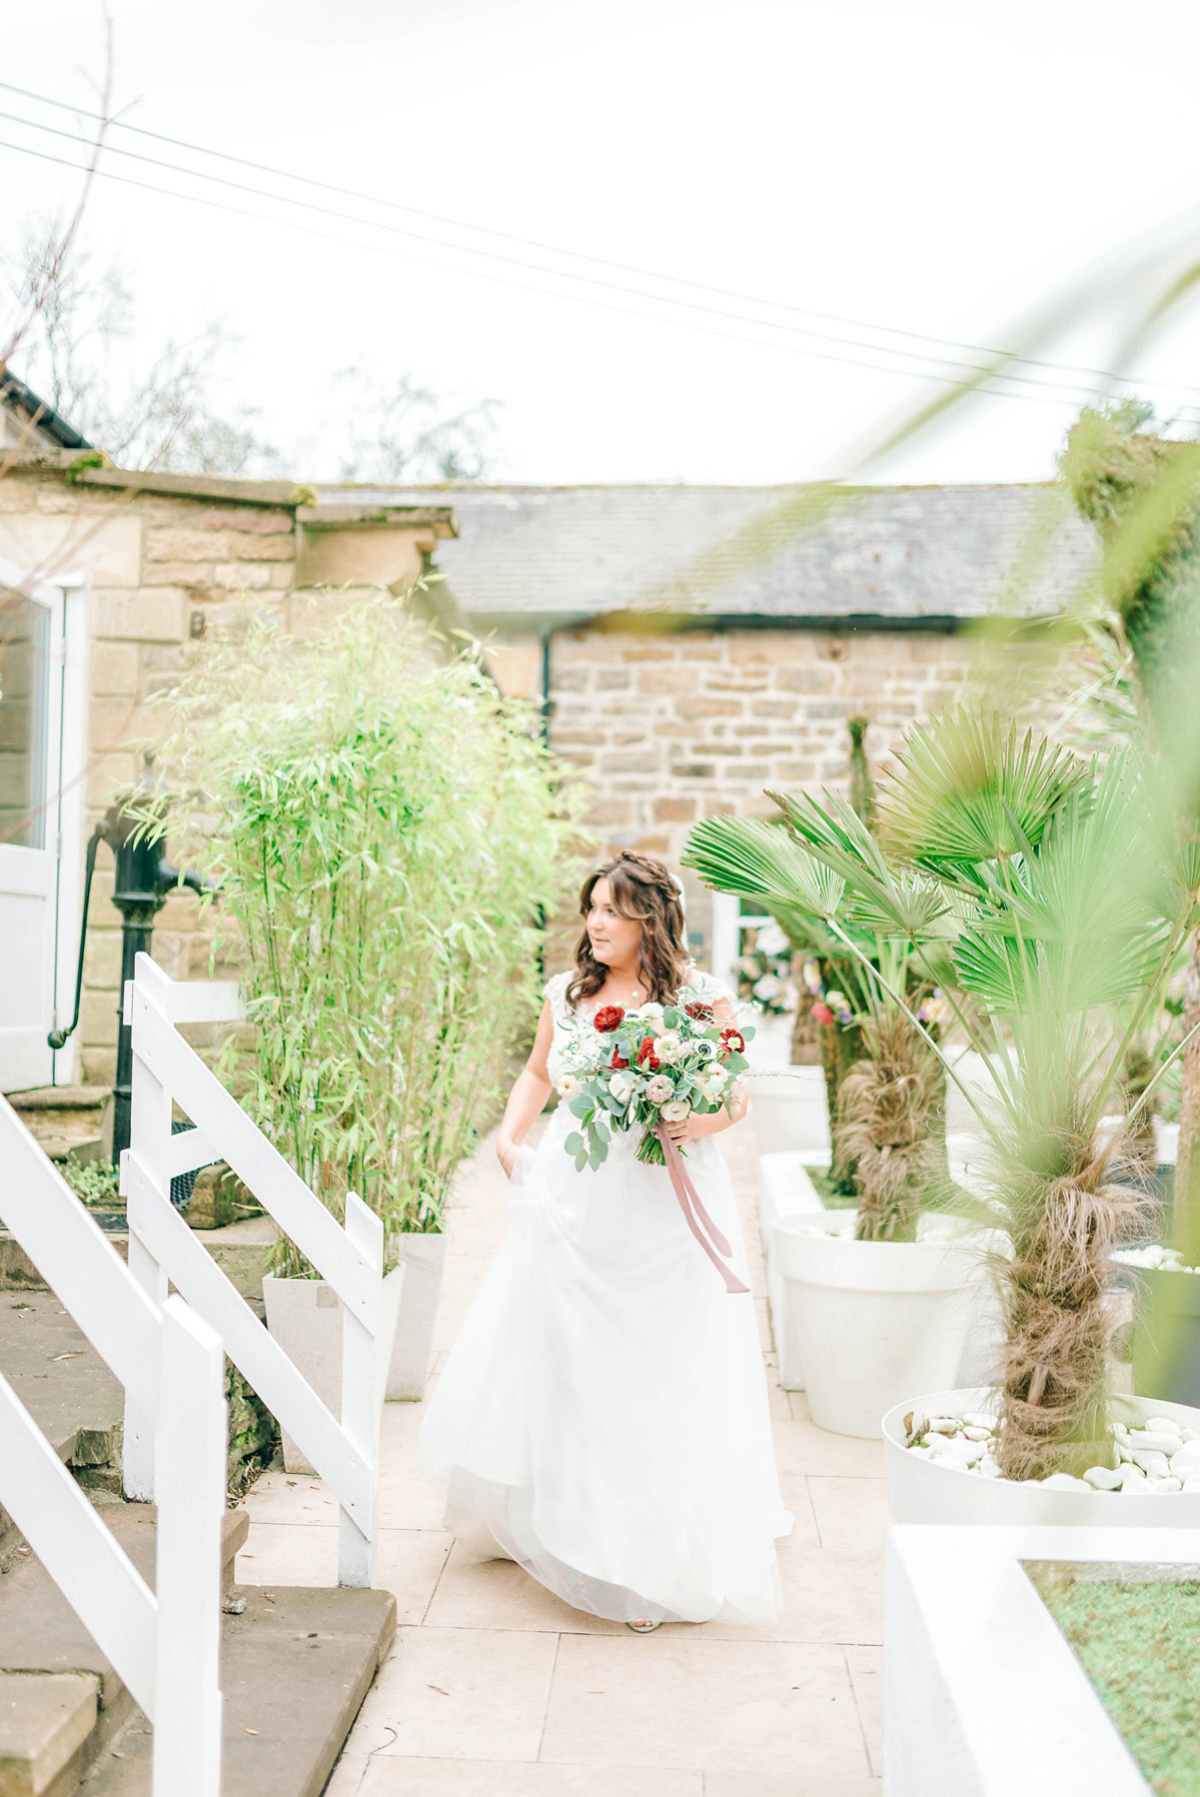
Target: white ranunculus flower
678 1111
659 1089
569 1087
651 1014
668 1048
713 1080
621 1085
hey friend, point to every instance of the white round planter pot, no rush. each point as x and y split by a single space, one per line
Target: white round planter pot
866 1315
925 1491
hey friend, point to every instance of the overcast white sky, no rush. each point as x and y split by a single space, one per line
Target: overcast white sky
936 166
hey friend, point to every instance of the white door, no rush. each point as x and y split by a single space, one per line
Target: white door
38 742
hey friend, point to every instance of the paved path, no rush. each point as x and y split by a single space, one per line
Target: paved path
496 1689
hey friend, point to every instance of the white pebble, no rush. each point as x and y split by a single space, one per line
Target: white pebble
975 1432
1103 1478
1187 1454
1132 1478
937 1442
1155 1466
1190 1434
1153 1441
987 1466
1065 1482
1164 1425
1192 1483
1124 1454
964 1453
1158 1486
943 1425
979 1419
922 1453
919 1426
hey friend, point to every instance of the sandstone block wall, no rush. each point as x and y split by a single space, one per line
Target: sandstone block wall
670 729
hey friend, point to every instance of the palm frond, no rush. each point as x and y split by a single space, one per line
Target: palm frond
967 789
756 859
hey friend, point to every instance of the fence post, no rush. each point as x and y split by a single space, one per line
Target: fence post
149 1134
362 1400
191 1501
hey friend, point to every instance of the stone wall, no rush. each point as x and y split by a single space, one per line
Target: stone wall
165 568
670 729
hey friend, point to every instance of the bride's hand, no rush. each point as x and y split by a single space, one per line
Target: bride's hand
682 1131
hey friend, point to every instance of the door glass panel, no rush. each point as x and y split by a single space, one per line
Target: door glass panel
24 717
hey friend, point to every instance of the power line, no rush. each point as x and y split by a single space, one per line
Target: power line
1103 375
1043 391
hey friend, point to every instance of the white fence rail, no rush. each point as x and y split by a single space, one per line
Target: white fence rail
162 1249
163 1643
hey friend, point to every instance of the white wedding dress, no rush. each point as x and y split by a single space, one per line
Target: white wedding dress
602 1417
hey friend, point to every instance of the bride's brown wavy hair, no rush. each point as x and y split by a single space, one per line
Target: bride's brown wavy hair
641 887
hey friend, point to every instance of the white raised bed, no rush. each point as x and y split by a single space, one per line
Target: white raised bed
929 1491
869 1317
983 1694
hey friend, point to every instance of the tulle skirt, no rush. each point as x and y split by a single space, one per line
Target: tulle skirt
602 1417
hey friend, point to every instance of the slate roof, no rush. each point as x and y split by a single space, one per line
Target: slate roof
527 555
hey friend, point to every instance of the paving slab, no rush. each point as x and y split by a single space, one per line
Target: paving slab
496 1687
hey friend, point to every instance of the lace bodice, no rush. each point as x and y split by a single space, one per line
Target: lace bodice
568 1021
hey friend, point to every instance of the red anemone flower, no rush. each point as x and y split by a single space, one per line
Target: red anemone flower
698 1012
732 1041
608 1018
646 1054
618 1062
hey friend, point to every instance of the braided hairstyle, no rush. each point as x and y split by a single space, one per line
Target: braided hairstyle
641 887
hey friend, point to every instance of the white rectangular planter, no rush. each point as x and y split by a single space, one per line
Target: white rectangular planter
422 1258
983 1696
789 1109
785 1190
305 1317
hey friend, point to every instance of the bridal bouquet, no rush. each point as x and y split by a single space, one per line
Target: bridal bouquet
632 1069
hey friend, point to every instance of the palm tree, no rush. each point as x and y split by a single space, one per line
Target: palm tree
1046 897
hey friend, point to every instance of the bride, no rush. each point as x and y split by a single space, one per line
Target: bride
602 1417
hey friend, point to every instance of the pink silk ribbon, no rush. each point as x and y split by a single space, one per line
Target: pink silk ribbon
698 1219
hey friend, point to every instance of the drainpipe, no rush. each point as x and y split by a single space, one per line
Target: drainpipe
546 632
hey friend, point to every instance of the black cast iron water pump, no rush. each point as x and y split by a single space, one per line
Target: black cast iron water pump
144 880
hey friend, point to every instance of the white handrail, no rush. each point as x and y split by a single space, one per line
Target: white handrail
163 1643
167 1070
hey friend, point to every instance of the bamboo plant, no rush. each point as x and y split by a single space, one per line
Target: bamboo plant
387 832
1043 894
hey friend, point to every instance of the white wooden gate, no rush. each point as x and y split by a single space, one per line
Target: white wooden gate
162 1248
164 1643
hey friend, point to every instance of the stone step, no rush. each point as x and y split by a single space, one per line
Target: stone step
295 1667
242 1251
46 1720
43 1640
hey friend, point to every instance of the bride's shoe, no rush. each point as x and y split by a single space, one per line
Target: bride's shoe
643 1627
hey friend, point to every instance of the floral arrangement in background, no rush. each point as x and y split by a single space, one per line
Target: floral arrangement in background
831 1006
764 972
648 1067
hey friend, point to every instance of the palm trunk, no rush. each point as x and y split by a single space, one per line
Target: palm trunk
1056 1289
